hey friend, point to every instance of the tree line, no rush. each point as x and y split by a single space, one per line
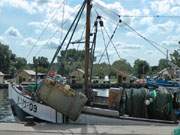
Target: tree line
73 59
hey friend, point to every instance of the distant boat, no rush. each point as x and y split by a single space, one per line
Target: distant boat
161 82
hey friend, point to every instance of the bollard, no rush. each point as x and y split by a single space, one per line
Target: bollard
29 121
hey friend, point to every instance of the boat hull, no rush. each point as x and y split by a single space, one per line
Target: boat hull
21 103
22 106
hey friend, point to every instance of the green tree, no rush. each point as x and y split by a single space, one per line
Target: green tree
122 65
101 69
154 70
141 68
73 55
175 58
163 63
5 58
42 64
9 63
70 60
20 63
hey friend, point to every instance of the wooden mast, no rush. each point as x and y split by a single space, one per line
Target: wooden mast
87 49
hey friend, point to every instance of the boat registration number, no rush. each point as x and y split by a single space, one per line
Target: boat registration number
28 105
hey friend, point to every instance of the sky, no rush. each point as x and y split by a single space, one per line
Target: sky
36 27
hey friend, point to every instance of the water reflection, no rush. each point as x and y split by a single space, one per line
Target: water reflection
5 109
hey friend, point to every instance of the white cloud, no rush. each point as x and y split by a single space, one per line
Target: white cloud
29 41
52 44
146 11
146 21
172 41
131 47
128 46
40 2
2 40
111 6
166 7
116 8
13 32
171 45
46 44
29 6
175 11
150 52
22 4
161 28
161 6
53 17
41 25
46 27
167 26
59 13
130 34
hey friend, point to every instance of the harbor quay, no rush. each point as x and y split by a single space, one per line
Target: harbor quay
133 128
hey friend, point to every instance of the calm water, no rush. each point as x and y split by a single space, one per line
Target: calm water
5 109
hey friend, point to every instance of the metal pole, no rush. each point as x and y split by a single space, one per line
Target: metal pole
36 75
35 61
87 40
167 52
93 48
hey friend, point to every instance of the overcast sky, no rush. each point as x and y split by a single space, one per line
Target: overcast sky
22 23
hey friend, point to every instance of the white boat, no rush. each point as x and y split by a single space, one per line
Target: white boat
23 105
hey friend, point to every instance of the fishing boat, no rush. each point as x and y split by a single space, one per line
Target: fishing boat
56 102
168 77
160 82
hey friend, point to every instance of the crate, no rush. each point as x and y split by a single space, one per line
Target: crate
62 98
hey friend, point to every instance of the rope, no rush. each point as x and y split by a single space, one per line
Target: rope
143 37
103 8
81 37
45 28
105 46
60 46
53 35
62 23
93 47
110 40
107 55
40 49
73 33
